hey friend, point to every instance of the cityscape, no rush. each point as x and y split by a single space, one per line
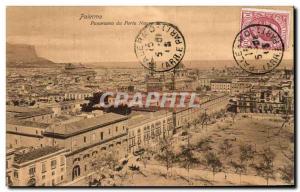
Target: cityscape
59 135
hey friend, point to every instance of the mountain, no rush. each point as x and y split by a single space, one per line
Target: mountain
25 56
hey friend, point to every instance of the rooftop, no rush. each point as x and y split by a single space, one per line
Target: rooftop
28 123
26 112
220 81
81 126
145 117
35 153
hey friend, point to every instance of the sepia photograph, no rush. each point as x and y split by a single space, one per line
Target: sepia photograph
150 96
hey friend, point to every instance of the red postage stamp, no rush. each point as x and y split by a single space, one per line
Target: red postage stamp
277 20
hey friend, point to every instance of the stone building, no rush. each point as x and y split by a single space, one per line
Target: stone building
25 133
37 167
145 129
43 115
86 139
221 86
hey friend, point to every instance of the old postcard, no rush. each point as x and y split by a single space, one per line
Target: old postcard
150 96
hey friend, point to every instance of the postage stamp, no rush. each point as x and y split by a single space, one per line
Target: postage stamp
160 46
278 20
258 49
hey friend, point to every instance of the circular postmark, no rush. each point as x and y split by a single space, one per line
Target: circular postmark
159 46
258 49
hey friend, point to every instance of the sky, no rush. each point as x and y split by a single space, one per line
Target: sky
60 35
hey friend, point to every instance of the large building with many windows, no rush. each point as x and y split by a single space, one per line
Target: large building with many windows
86 139
221 86
145 129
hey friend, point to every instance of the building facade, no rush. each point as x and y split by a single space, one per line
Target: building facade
145 130
221 86
87 139
38 167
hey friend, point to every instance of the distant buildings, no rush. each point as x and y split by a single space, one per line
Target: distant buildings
169 81
266 99
221 86
50 141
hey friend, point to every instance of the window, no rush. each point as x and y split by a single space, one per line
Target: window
62 169
62 160
31 171
85 167
86 156
16 141
61 177
53 164
76 159
43 167
109 131
16 174
43 177
101 135
84 139
53 172
53 182
94 153
36 132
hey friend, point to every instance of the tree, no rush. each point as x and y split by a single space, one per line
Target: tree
195 123
239 168
266 167
233 116
226 149
203 145
104 163
166 152
287 173
246 153
203 118
213 161
145 156
187 158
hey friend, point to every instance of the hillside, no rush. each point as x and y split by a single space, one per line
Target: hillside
21 55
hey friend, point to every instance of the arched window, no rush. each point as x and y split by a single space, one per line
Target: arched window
76 159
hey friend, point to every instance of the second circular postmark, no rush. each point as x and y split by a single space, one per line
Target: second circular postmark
258 49
160 46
